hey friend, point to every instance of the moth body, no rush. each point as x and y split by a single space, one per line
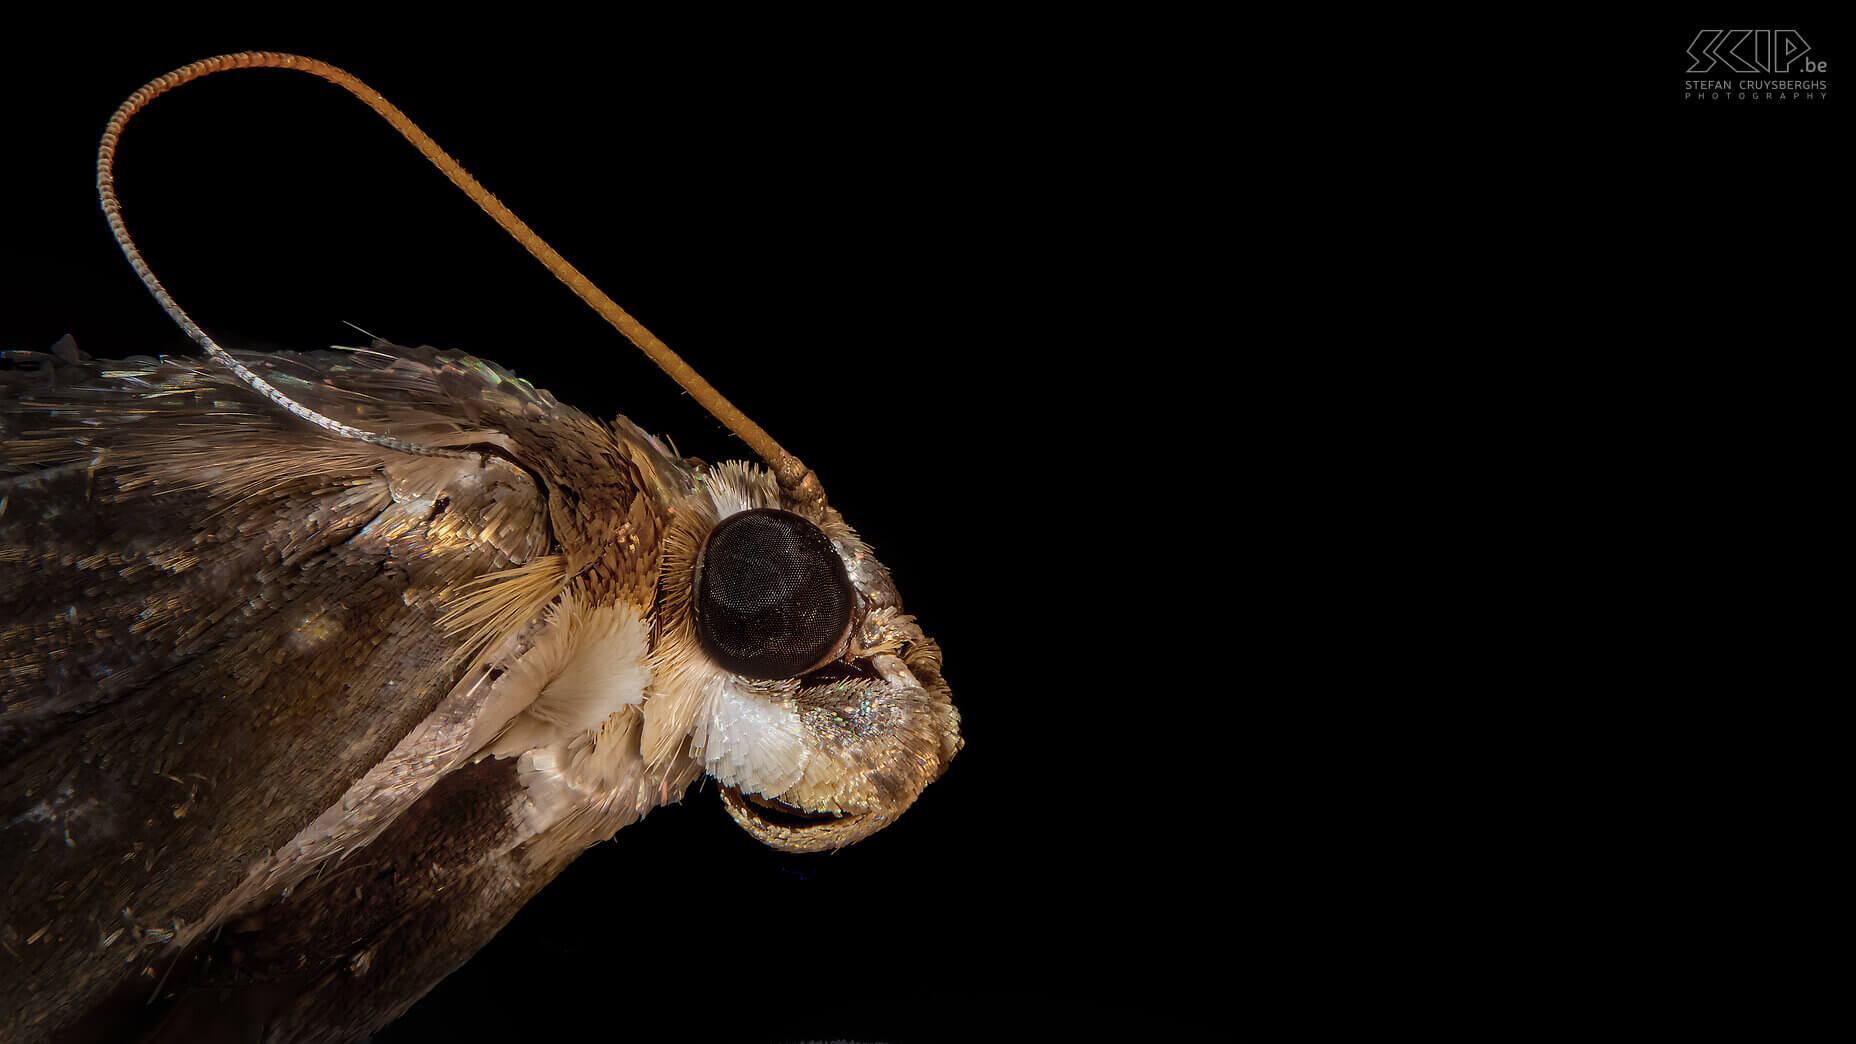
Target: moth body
308 718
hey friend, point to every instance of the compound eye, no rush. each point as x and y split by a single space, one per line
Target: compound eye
772 597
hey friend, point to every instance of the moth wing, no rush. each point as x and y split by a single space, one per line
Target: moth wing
233 655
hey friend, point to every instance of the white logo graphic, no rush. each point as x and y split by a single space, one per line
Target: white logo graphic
1751 51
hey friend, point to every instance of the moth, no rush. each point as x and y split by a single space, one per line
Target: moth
319 665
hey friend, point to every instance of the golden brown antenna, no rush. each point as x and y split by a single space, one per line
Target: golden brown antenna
795 478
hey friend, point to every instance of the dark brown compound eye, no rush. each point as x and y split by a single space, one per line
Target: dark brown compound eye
772 597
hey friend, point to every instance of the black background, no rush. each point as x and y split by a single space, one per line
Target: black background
1222 401
855 239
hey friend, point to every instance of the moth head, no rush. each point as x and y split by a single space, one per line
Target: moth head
784 665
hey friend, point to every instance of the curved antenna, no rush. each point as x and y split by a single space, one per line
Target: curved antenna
794 477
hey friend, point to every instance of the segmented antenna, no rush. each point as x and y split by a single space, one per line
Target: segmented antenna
794 477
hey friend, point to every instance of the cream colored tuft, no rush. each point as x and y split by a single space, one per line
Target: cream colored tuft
676 699
736 486
586 667
595 775
498 603
749 739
